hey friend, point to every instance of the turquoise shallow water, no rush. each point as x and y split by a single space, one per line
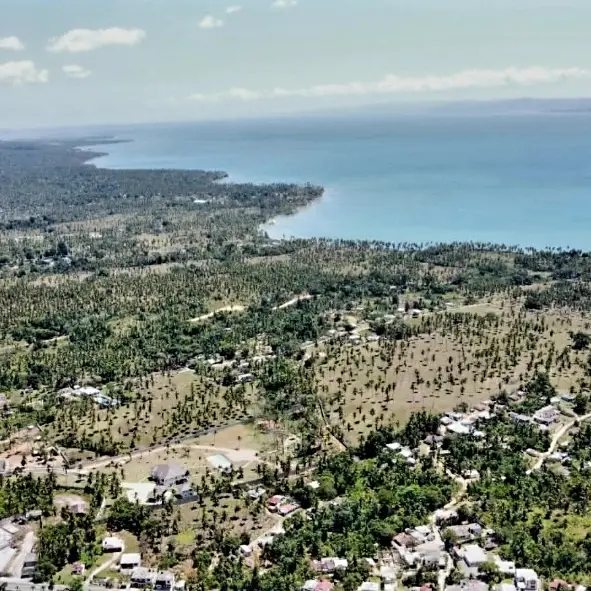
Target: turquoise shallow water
515 179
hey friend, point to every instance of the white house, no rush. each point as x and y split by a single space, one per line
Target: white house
527 579
474 556
112 544
128 562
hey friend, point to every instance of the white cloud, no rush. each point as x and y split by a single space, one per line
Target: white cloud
211 22
12 43
392 84
234 93
284 3
233 9
75 71
23 72
81 40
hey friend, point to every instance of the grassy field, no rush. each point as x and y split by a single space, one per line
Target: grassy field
164 406
466 355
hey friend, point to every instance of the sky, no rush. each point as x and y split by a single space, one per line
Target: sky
87 62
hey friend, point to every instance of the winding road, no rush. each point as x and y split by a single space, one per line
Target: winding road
557 437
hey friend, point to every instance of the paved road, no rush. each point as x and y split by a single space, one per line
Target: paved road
16 566
15 584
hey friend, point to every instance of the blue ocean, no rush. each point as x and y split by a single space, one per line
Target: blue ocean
509 179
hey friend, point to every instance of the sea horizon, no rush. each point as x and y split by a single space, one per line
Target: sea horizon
512 179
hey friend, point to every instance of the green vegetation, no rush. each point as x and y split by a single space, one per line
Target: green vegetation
159 288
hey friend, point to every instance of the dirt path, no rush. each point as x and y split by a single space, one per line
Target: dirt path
105 566
147 452
305 296
557 437
232 308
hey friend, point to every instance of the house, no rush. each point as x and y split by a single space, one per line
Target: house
245 378
505 587
560 585
468 585
434 440
434 558
245 550
141 577
506 567
527 579
405 453
318 585
169 474
274 502
78 568
445 515
547 415
404 540
184 491
256 493
458 429
474 556
164 581
314 484
29 565
388 574
395 446
78 508
286 509
369 586
464 533
112 544
519 418
128 562
220 463
330 565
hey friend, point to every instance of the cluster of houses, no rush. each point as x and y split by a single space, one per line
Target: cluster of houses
91 392
141 577
282 505
402 452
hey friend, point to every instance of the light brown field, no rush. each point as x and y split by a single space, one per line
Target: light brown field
166 406
378 382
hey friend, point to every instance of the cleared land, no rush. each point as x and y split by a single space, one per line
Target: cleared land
465 355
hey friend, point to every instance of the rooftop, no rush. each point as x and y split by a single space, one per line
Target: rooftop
170 471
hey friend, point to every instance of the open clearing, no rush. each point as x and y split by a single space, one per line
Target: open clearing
456 357
163 407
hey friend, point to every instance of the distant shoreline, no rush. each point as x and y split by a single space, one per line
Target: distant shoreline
264 227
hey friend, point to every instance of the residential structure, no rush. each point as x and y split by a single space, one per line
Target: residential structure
169 474
473 556
527 579
128 562
330 565
29 565
112 544
164 581
141 577
547 415
464 533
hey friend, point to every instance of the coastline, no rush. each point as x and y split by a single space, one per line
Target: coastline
272 227
266 227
